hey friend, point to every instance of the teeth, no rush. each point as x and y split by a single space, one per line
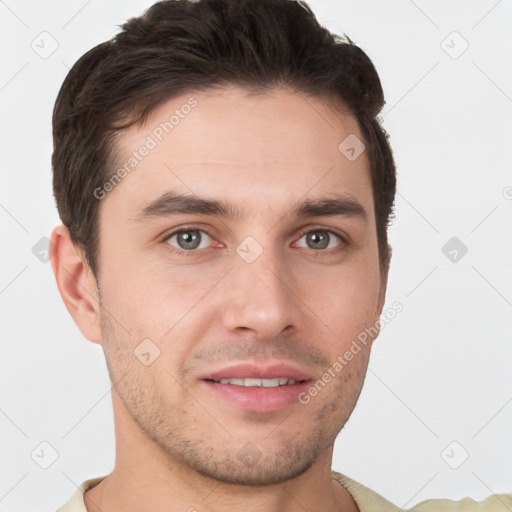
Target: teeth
265 383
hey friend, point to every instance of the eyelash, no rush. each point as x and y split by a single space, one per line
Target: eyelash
181 252
194 252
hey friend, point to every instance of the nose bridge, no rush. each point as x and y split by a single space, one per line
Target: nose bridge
258 295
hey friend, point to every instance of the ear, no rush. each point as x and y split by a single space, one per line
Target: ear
384 272
76 283
383 283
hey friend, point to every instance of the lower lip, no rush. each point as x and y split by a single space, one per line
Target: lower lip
258 399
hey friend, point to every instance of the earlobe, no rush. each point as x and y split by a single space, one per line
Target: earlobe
76 283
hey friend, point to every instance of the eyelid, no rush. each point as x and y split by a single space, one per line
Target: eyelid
185 228
309 229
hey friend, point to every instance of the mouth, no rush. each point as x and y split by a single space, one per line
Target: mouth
258 389
259 383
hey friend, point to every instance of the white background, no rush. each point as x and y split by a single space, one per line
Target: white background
439 372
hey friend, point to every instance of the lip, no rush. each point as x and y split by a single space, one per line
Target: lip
257 399
248 370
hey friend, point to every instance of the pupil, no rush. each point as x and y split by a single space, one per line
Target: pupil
319 241
189 239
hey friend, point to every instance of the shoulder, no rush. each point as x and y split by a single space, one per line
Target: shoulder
370 501
494 503
76 501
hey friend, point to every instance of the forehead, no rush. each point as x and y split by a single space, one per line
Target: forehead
258 150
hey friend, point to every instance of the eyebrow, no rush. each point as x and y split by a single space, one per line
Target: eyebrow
171 203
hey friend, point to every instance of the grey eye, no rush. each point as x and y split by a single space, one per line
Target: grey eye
320 239
190 239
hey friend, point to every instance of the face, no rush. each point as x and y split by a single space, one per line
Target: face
240 246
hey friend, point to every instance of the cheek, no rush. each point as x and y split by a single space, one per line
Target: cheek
135 285
160 301
345 299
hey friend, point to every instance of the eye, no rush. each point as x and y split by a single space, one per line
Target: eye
319 239
187 240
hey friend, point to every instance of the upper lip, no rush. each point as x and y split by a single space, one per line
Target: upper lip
248 370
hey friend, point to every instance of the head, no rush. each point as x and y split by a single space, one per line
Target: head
211 210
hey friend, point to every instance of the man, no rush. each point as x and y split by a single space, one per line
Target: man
225 189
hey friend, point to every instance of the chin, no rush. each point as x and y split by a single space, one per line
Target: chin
261 474
250 465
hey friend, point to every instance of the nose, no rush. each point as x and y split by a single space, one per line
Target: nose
259 297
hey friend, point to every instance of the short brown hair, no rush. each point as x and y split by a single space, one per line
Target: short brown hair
179 46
